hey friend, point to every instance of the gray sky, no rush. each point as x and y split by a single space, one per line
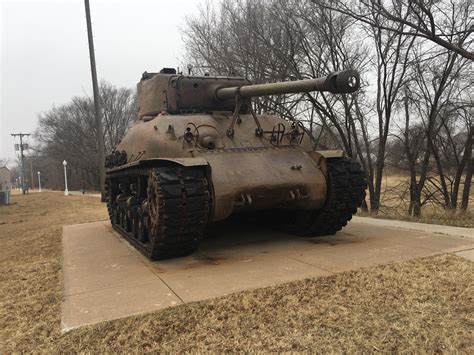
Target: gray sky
45 59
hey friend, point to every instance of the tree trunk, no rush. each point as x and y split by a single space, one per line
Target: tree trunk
417 203
464 164
364 206
467 186
469 168
442 178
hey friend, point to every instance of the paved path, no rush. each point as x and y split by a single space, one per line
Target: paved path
105 278
431 228
87 193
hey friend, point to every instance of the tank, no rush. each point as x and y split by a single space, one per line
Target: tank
198 154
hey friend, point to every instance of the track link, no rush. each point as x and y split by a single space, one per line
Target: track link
166 214
346 191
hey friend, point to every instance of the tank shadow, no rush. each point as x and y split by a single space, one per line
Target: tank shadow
243 229
244 239
247 230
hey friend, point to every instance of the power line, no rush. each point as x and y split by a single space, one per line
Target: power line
21 135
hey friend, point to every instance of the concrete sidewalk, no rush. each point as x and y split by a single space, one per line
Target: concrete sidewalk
105 278
86 193
424 227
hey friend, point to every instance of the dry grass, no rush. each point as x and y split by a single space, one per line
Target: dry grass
424 305
30 265
395 202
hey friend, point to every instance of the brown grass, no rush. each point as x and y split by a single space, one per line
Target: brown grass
395 202
424 305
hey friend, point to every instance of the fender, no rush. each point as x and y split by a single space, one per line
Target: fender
162 162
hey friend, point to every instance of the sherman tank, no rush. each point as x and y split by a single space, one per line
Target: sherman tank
198 153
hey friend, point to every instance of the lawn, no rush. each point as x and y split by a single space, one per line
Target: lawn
424 305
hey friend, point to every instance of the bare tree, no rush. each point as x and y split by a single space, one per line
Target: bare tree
427 19
392 60
119 106
434 94
69 131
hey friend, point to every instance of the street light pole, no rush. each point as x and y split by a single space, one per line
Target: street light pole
39 181
98 115
66 192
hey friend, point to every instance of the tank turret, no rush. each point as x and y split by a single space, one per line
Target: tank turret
176 93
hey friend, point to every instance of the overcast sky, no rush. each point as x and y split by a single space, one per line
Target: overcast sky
44 52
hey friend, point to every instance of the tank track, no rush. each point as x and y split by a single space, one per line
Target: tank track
345 193
166 212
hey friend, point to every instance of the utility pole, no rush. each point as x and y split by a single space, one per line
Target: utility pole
98 115
21 135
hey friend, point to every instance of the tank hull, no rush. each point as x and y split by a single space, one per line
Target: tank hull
266 178
251 173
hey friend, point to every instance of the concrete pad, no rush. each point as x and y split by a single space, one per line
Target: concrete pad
78 239
213 277
105 278
347 257
99 274
115 302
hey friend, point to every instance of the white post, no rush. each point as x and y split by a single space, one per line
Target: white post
39 181
66 192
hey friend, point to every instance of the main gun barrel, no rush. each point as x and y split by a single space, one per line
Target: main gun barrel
342 82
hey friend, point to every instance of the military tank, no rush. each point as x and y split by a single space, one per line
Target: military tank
198 154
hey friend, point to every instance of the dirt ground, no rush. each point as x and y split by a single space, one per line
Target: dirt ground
424 305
